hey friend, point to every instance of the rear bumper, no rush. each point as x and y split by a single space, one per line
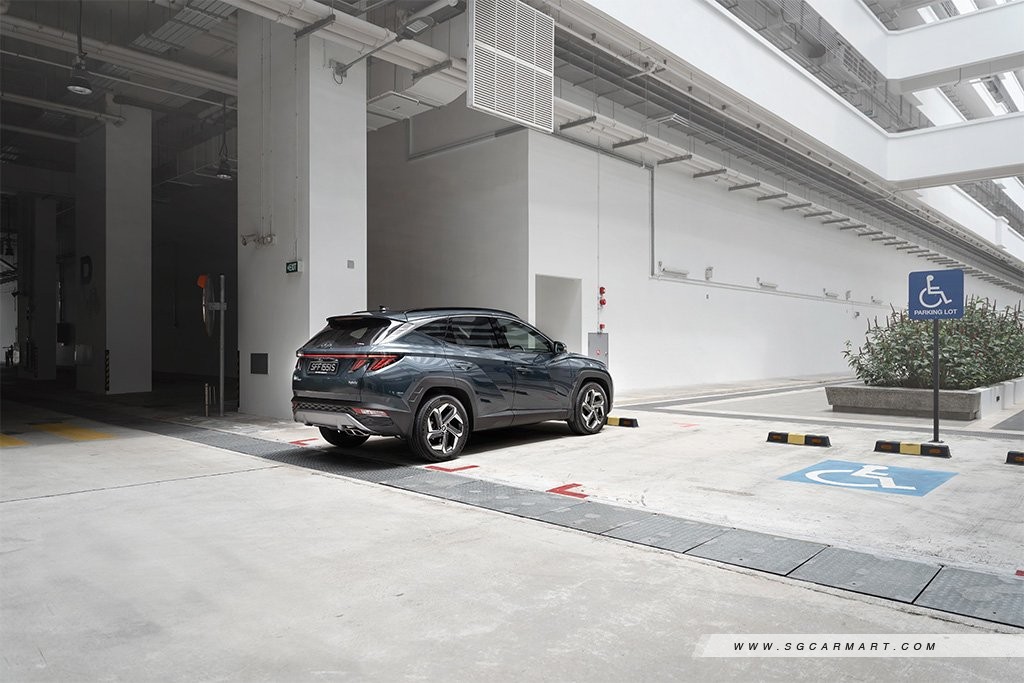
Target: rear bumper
339 415
341 422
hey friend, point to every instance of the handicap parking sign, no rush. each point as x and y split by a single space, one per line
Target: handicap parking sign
902 481
936 294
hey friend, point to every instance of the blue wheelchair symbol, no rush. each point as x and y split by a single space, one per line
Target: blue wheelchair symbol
902 481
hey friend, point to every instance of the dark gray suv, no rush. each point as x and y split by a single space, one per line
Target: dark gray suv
433 376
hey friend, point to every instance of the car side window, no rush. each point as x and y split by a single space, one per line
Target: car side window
437 329
471 331
519 337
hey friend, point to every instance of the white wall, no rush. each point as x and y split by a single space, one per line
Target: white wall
478 224
590 218
301 156
448 228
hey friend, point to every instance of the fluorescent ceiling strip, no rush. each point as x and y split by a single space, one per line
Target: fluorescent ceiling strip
928 14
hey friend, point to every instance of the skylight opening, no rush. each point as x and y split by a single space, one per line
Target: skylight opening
965 6
1013 89
997 108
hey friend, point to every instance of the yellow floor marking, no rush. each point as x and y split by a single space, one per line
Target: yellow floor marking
11 441
73 433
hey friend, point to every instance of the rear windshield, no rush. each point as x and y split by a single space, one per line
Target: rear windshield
342 332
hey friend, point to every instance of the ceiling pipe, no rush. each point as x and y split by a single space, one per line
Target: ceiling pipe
38 133
47 36
356 34
63 108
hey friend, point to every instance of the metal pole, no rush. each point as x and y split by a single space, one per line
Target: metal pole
935 379
223 314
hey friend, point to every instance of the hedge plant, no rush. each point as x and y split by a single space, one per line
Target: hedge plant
984 347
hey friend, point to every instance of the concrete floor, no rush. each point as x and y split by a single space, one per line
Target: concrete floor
135 556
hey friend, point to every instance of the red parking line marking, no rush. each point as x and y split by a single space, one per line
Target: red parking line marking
563 490
687 424
302 442
450 469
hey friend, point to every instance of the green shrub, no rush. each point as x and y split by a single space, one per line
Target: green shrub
984 347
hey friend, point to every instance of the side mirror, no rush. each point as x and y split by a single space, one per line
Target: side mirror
560 348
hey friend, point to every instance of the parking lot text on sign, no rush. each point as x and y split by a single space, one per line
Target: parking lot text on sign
936 294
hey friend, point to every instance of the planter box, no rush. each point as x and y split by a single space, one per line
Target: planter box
971 404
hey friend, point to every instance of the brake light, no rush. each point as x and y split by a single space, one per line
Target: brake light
376 362
371 361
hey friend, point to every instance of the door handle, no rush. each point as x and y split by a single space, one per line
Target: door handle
523 371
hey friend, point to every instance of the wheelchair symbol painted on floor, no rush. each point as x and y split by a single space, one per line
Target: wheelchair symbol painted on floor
902 481
878 474
934 294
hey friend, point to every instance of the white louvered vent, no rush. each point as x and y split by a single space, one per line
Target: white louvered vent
512 62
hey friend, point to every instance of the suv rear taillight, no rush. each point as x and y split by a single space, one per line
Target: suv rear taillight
371 361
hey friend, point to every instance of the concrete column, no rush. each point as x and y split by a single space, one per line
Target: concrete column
113 244
301 197
37 266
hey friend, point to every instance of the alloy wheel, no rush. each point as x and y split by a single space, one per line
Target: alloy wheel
445 428
592 408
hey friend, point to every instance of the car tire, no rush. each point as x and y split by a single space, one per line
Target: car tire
590 411
441 429
341 439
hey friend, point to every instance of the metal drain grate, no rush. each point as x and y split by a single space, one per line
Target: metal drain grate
750 549
863 573
974 594
668 533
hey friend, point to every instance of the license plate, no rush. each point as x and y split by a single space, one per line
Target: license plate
327 366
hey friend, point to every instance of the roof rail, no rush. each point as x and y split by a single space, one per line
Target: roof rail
462 309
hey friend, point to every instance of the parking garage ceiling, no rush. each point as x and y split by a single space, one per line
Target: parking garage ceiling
178 59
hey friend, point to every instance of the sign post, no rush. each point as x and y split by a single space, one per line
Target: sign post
936 295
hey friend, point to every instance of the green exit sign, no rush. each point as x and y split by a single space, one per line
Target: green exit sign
293 267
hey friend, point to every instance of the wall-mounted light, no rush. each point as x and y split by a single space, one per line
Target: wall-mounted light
875 300
830 294
764 284
257 239
673 272
709 272
79 82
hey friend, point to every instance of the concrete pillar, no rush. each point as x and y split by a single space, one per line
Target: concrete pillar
301 197
113 244
37 286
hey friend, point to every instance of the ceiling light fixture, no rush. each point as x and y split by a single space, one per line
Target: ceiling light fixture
224 167
79 83
224 170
